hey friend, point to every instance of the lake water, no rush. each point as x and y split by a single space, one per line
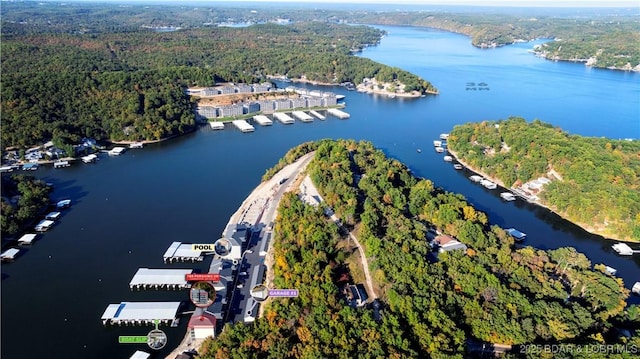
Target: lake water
128 209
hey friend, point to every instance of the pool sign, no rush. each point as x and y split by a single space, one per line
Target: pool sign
283 293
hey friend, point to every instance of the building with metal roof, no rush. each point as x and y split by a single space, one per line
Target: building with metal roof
160 278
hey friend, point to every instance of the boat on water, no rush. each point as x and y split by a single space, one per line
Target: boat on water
136 145
507 196
439 149
65 203
457 166
516 234
444 136
419 150
636 288
448 158
475 178
488 184
437 143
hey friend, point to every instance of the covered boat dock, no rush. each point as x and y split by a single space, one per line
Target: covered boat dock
160 279
182 252
141 313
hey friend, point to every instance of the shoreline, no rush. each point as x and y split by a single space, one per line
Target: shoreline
538 203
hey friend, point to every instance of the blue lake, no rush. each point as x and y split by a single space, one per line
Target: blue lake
128 209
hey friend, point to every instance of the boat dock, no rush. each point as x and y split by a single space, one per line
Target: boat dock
89 158
136 145
337 113
216 125
302 116
317 114
9 254
182 252
139 354
263 120
44 225
141 313
243 126
27 239
507 196
116 151
61 164
636 288
146 278
516 234
54 216
283 118
623 249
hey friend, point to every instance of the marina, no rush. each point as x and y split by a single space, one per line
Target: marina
516 234
302 116
338 113
283 118
216 125
182 252
317 114
508 196
146 278
141 313
243 126
263 120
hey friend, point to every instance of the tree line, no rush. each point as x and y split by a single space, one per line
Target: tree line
493 292
600 178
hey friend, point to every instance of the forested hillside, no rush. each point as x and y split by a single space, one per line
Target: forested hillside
599 184
493 292
112 82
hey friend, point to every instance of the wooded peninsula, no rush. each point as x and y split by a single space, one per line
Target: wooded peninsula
430 304
595 182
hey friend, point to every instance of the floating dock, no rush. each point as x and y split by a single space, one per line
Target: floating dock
9 254
507 196
89 158
44 225
283 118
302 116
27 239
263 120
488 184
54 216
182 252
243 126
139 354
61 164
146 278
136 145
141 313
337 113
317 114
116 151
216 125
623 249
516 234
636 288
65 203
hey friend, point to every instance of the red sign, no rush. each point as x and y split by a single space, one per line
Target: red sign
207 277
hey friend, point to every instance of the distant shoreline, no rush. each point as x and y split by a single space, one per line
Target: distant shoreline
538 203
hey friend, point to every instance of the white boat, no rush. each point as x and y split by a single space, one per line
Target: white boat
488 184
437 143
89 158
136 145
439 149
444 136
448 158
610 270
475 178
116 151
516 234
636 288
457 166
507 196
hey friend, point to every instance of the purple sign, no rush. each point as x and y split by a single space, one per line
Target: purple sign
283 292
